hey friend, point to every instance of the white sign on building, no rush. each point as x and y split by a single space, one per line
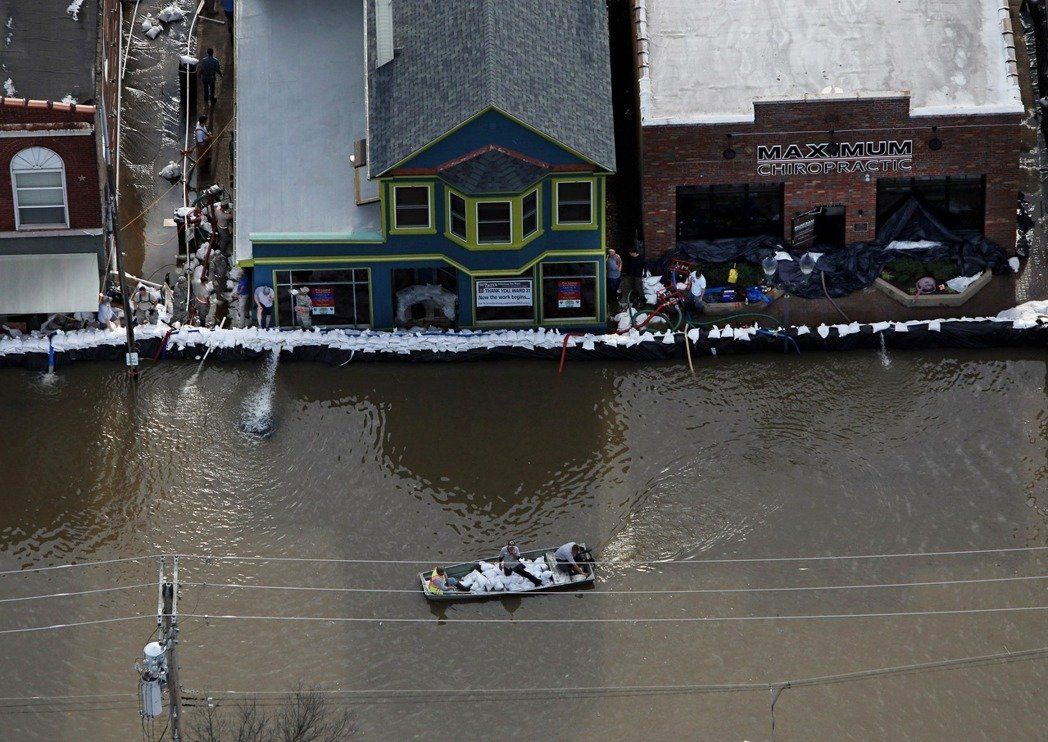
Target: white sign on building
504 293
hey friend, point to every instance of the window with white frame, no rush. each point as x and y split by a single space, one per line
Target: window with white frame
38 181
411 207
575 202
494 223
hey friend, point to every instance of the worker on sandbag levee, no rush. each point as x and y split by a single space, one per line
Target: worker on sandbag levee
509 562
303 307
264 306
144 307
224 221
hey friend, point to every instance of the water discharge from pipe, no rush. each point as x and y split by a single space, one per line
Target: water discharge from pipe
886 361
257 420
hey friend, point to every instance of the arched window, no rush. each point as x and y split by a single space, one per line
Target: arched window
38 180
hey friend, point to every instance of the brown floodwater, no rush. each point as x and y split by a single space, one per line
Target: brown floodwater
826 454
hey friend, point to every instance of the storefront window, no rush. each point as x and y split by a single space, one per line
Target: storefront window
509 299
341 298
960 203
569 291
421 295
729 211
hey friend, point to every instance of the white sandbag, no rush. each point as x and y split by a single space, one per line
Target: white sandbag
171 14
147 23
172 171
469 579
154 32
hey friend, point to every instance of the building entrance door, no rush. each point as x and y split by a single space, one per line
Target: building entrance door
823 227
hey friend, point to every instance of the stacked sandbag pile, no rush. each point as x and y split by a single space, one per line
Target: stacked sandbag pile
488 578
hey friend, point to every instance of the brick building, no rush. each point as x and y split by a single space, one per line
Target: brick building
813 122
51 216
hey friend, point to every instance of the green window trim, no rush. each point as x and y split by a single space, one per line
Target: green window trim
516 216
512 225
394 228
531 215
599 290
454 217
595 192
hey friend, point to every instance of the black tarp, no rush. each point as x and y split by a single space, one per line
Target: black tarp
856 266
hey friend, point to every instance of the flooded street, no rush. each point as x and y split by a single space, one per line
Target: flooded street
753 458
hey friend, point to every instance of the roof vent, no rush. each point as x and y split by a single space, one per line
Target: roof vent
383 32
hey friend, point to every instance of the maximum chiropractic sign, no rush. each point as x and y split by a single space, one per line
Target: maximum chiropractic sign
884 156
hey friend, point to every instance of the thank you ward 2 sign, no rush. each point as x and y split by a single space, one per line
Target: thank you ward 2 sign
819 158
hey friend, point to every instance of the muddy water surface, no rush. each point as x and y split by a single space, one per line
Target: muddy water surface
763 457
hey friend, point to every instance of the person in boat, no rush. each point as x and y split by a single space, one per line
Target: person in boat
570 559
439 583
509 562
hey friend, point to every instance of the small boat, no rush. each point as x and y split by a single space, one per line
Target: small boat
560 580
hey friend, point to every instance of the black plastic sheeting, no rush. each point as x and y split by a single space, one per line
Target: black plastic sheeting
859 264
975 335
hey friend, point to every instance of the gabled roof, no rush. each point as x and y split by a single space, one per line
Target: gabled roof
543 62
45 52
493 170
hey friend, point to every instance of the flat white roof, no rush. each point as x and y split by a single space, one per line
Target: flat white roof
45 284
708 61
300 108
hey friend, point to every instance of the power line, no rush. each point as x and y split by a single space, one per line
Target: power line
613 563
441 694
80 564
80 592
671 619
71 625
573 593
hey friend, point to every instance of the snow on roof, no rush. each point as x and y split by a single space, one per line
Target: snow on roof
709 61
300 109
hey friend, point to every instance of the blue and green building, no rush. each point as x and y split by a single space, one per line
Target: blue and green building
436 163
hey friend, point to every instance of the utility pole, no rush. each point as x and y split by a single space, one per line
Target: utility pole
169 632
114 236
775 691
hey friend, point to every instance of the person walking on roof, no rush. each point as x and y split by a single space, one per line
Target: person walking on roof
509 561
209 69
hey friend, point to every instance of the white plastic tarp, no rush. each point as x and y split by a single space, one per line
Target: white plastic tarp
46 284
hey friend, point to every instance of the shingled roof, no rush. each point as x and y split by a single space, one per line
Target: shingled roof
45 52
543 62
